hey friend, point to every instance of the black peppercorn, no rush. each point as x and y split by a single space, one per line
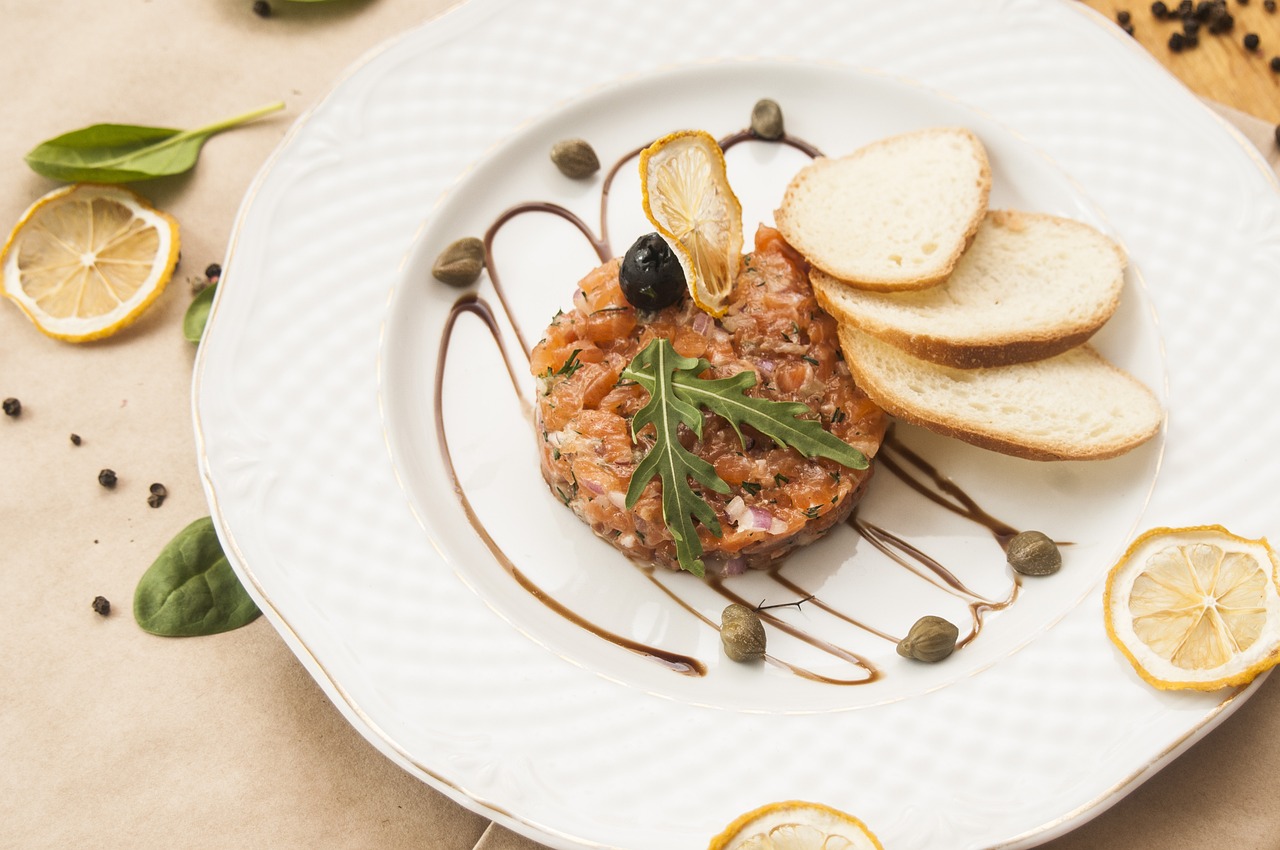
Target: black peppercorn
158 494
1128 28
1186 7
1275 64
12 407
101 605
1251 41
1177 41
262 8
1270 6
212 272
75 439
1221 22
1122 17
107 478
1243 2
1159 9
1190 26
1204 10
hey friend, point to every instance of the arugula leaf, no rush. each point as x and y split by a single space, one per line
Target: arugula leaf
653 369
677 395
778 420
124 153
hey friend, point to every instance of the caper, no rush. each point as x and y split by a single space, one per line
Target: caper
742 633
460 263
930 639
1032 553
766 120
575 158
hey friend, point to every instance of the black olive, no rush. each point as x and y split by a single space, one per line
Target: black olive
651 276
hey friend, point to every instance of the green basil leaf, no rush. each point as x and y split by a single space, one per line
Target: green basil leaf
123 153
191 589
197 314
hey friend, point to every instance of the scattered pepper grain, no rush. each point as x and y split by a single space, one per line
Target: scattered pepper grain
1270 6
1251 41
1177 41
1123 17
75 439
1275 64
213 271
158 495
262 8
1159 9
101 605
12 407
107 478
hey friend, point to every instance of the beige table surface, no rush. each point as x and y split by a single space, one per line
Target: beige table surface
110 737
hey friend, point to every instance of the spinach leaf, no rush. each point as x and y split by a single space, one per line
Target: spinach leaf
197 314
191 589
123 153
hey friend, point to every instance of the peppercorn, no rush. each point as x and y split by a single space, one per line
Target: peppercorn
158 495
1191 41
1277 134
1159 9
1177 41
75 439
1251 41
212 272
262 8
1204 10
1270 6
1243 2
1190 26
107 478
12 407
101 605
1122 17
1128 28
1275 64
1186 7
1221 22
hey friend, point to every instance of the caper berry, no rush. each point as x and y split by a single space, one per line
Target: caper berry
766 120
1033 553
460 263
931 639
742 633
651 276
575 158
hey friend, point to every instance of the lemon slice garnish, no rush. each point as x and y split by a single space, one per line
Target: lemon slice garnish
84 261
1195 607
796 825
687 198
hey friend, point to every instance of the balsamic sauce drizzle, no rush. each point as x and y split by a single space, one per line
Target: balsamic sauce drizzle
943 491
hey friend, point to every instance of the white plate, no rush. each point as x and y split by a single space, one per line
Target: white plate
452 668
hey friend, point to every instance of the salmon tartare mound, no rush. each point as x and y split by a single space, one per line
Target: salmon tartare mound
773 326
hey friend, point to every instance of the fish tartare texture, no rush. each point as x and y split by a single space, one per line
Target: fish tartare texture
778 498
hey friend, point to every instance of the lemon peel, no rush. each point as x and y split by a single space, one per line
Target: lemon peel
1195 608
86 260
687 198
796 825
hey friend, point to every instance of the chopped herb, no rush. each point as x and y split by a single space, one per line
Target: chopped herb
751 487
555 454
838 416
810 360
571 365
563 496
812 512
780 479
835 476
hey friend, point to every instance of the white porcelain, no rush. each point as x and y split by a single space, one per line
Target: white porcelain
316 421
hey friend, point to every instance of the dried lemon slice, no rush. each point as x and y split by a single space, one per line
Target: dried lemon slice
796 825
687 198
1195 607
85 260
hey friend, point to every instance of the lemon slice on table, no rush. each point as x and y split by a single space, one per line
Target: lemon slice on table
84 261
687 198
795 825
1195 607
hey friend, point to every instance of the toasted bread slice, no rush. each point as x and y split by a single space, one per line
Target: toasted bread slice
1029 287
1074 406
896 214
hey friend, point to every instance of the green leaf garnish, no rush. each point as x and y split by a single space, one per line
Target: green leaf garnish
653 368
197 315
124 153
677 395
191 589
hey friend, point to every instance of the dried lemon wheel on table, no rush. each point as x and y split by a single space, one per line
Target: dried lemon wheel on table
687 198
1195 607
84 261
796 825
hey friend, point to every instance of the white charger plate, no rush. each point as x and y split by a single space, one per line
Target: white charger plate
453 670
